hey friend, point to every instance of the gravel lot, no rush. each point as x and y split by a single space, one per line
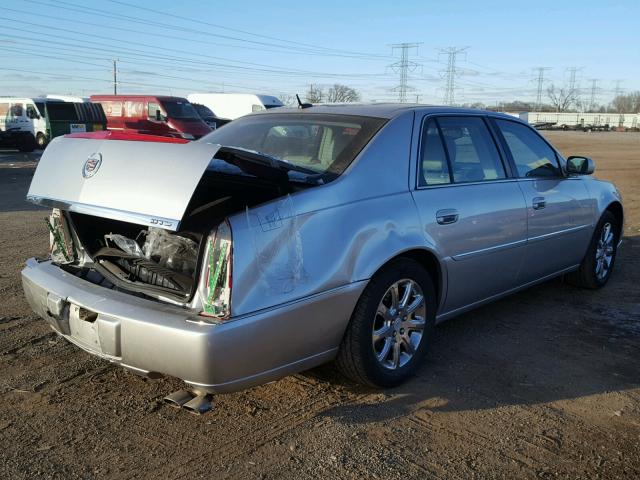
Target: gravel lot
543 384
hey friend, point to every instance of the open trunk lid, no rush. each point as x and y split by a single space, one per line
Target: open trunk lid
146 183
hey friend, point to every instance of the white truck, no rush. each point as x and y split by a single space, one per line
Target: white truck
24 117
230 106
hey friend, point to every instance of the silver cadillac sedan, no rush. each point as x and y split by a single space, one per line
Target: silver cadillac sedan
293 237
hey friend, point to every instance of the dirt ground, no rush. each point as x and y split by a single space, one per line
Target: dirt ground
544 384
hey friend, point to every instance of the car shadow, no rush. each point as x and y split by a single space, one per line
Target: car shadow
548 343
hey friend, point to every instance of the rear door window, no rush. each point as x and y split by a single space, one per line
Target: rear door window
532 156
472 153
133 108
434 168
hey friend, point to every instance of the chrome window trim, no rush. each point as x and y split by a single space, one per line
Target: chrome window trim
464 184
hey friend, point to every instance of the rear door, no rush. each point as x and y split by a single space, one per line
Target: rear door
469 208
559 211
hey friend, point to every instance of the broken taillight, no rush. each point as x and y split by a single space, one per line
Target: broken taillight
215 284
61 248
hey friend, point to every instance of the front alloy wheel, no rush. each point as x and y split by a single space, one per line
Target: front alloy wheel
604 251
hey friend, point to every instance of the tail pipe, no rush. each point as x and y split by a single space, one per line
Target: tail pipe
194 402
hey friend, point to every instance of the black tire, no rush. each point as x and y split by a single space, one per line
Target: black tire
28 144
586 276
41 140
356 357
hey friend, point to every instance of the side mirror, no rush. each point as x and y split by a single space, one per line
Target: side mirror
580 165
158 115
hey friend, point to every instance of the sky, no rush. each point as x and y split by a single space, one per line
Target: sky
277 47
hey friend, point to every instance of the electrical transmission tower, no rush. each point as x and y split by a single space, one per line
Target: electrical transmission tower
618 90
574 88
450 73
540 79
594 91
403 66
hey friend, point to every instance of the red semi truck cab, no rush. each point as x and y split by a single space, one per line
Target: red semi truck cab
152 114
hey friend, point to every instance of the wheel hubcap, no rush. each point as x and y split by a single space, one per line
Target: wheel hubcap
604 251
399 324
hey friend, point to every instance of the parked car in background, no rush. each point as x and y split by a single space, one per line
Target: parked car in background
293 237
234 105
209 118
153 115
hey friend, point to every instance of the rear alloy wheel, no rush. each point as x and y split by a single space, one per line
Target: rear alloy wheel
597 265
398 324
389 330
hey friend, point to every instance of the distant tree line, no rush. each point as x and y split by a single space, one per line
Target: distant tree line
563 100
559 99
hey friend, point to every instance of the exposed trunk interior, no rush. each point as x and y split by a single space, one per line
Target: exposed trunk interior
157 262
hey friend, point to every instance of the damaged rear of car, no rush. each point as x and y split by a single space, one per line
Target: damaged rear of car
145 238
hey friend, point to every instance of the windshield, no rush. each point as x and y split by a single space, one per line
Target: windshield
203 111
318 142
180 110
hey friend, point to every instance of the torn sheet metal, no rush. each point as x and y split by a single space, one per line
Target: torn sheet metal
277 246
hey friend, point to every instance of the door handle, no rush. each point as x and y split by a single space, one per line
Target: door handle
539 203
447 216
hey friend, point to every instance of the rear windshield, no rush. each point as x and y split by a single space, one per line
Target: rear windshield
182 110
319 142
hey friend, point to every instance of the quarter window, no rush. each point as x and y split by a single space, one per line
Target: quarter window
434 169
473 156
532 156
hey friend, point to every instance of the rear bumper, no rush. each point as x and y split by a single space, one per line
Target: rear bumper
150 337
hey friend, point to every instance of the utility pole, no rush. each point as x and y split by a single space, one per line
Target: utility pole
594 89
540 80
115 76
451 73
403 67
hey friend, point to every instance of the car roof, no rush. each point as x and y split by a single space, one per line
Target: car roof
379 110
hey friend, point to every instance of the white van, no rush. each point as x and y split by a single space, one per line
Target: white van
233 105
24 115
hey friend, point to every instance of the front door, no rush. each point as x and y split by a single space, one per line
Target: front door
559 211
469 209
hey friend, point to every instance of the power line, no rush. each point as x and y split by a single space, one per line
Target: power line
451 73
403 67
293 47
540 80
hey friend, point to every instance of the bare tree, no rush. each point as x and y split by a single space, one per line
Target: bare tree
561 98
341 93
628 103
315 94
287 99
